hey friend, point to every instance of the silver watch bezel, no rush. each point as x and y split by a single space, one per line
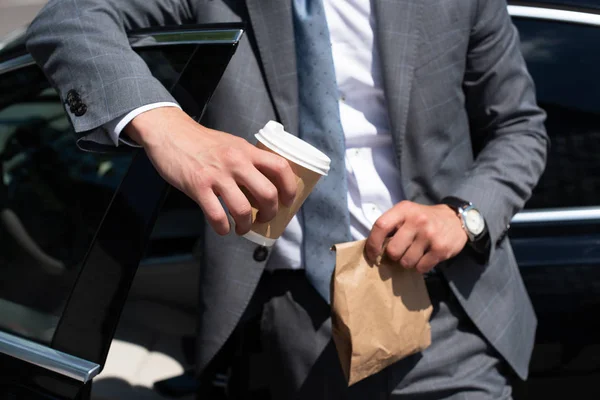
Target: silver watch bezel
462 211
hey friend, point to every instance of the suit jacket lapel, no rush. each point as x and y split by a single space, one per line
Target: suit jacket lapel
274 32
396 35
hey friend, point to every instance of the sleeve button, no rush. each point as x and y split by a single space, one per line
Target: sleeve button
261 253
79 109
72 97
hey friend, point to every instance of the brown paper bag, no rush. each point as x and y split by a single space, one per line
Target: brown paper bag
380 313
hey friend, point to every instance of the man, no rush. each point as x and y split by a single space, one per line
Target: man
437 114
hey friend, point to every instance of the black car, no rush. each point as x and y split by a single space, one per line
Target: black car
96 249
556 237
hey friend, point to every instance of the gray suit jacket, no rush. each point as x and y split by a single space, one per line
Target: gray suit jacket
462 110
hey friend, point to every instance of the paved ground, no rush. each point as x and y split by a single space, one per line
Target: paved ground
15 14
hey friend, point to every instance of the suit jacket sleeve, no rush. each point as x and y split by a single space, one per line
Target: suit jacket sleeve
507 126
82 45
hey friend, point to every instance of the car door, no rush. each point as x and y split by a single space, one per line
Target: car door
74 225
556 238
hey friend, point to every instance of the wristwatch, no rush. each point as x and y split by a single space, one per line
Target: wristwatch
472 222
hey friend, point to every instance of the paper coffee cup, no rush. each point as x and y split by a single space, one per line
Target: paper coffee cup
307 163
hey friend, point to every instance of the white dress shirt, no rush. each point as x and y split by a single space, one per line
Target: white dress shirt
373 177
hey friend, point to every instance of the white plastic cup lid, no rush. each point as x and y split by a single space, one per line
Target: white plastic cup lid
274 137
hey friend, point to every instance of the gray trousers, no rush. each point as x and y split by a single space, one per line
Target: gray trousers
288 352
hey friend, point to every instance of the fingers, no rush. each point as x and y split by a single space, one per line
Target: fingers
400 243
385 226
213 211
414 253
412 249
262 194
238 205
258 189
278 170
427 262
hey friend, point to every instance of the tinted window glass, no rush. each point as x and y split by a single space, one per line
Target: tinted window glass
564 64
53 196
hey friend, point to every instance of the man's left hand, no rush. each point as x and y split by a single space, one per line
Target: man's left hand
420 236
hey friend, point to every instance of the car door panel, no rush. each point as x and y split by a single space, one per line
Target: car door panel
87 215
556 238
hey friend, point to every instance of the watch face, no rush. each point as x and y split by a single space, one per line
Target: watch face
474 222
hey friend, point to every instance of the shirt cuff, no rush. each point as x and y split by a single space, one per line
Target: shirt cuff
113 128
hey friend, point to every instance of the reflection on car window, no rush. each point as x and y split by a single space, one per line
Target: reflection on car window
52 199
564 62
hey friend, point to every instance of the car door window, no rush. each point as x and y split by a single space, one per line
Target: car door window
52 198
73 224
563 62
53 195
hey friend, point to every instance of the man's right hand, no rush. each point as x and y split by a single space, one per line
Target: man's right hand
206 164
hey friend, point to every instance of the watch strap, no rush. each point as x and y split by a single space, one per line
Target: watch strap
480 243
455 202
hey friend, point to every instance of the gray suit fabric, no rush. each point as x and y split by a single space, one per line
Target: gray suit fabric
459 365
462 111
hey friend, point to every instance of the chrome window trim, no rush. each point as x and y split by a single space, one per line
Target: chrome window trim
6 40
557 215
554 14
50 359
209 36
158 38
16 63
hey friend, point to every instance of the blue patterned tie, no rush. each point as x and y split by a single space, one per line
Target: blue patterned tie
325 212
